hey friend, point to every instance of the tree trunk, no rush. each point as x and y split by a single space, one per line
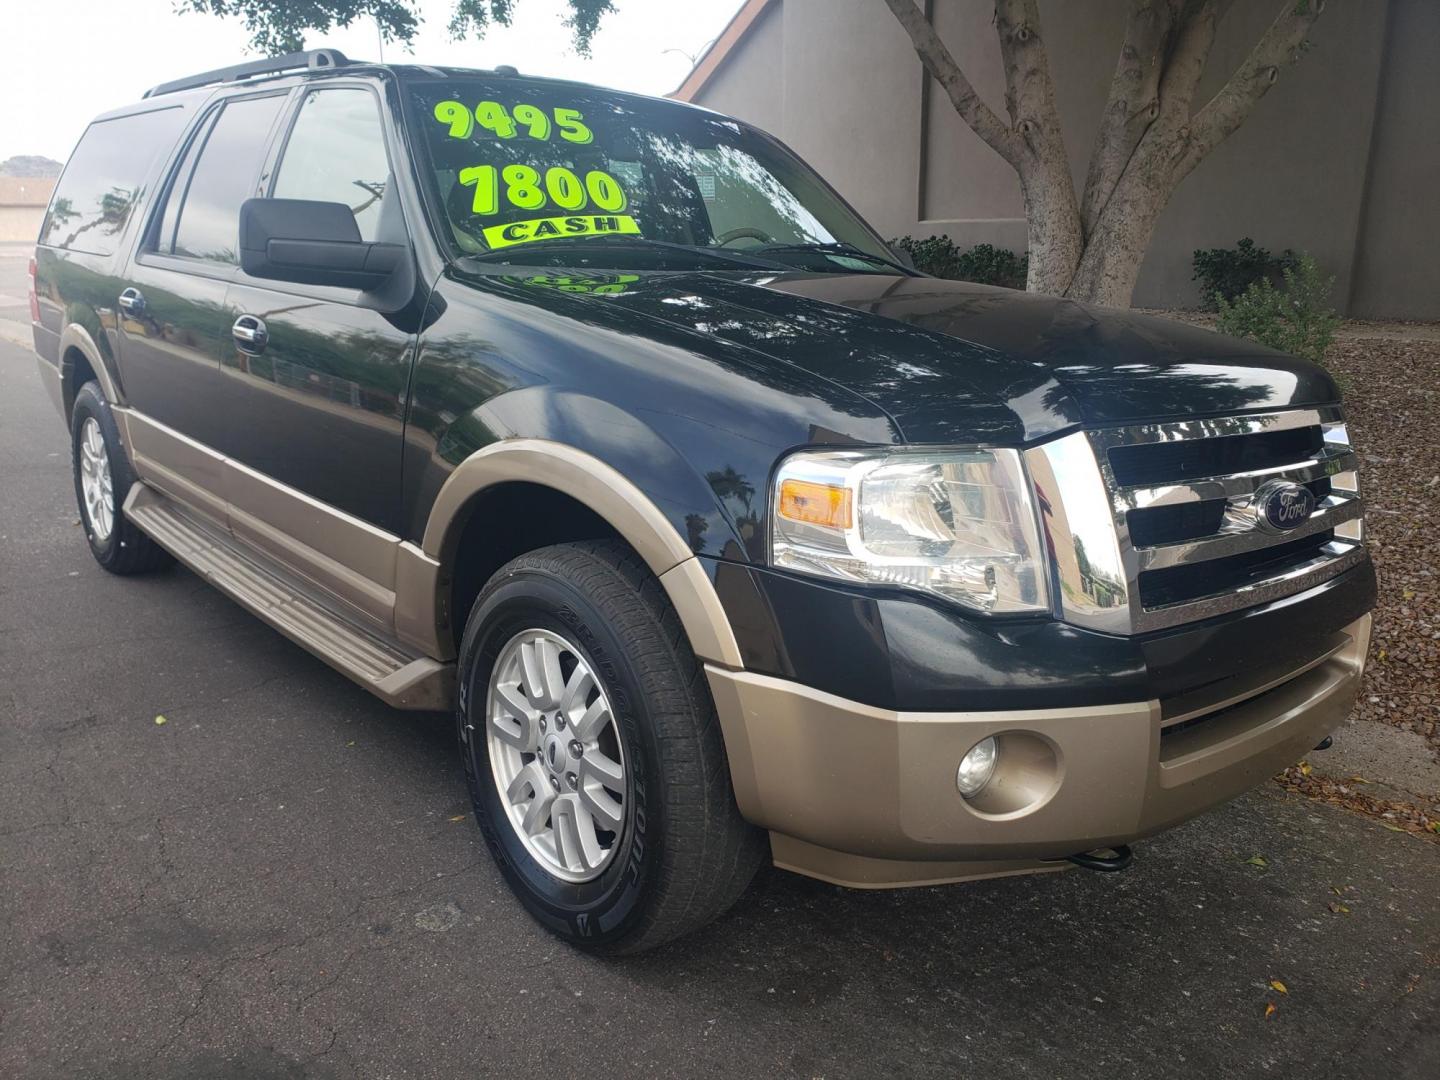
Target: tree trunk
1148 140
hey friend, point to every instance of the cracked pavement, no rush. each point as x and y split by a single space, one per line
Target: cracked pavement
271 885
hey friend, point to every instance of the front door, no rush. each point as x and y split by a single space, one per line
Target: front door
315 382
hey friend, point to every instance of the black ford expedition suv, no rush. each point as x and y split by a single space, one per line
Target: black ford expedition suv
605 423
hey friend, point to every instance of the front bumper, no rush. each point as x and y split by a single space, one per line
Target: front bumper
866 796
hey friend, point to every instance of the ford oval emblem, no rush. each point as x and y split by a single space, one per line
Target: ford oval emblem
1281 505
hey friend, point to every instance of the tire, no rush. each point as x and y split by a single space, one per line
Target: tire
681 854
116 543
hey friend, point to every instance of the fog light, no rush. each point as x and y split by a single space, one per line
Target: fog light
977 767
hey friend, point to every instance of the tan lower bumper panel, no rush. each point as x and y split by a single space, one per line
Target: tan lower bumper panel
866 797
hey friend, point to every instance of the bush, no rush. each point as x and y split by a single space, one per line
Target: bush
1228 272
1296 318
983 263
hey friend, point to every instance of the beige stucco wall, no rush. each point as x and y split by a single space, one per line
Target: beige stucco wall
22 206
1338 159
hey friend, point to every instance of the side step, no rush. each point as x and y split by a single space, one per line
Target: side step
255 582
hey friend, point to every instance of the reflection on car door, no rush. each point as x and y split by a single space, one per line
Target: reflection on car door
315 383
172 298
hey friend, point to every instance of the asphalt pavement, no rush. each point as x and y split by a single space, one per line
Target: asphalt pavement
283 880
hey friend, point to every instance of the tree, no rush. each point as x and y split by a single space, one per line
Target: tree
1149 139
278 26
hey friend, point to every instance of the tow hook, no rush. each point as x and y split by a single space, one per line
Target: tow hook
1325 743
1104 860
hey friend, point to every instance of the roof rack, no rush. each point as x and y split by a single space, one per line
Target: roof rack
313 60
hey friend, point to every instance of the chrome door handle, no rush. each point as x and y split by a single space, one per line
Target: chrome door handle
250 334
131 301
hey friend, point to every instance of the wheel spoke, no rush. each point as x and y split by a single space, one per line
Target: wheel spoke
543 681
592 721
533 785
597 773
578 845
577 692
515 721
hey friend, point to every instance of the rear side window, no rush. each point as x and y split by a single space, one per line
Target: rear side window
103 183
208 223
336 153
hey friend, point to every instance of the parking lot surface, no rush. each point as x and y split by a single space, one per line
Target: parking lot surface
283 880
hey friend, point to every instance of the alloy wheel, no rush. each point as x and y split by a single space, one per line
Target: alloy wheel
95 482
556 755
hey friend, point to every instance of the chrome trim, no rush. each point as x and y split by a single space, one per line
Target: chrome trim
1085 514
1243 537
1217 427
1332 462
1092 586
1336 557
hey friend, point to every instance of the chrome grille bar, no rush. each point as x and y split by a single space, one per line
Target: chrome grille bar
1101 574
1330 461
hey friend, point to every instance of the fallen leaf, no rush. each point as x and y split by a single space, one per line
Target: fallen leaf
1357 780
1269 1009
1278 986
1304 768
351 743
459 817
1408 594
1338 909
1256 860
159 719
1381 655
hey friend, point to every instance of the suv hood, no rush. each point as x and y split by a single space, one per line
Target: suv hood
951 361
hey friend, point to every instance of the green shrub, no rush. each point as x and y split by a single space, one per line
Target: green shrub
983 263
1228 272
1296 318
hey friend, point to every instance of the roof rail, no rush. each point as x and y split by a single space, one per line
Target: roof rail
313 60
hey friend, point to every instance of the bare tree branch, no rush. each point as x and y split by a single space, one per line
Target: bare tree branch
1281 44
1188 55
1134 101
942 67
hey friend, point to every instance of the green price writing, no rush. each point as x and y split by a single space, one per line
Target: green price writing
507 123
524 187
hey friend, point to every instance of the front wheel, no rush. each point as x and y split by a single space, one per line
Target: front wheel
593 754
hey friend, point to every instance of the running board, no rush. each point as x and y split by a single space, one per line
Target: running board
386 668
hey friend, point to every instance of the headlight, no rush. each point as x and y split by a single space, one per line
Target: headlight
960 523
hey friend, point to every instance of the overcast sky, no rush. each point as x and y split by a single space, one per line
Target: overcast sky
64 61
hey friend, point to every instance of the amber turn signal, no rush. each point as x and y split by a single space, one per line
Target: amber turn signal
816 504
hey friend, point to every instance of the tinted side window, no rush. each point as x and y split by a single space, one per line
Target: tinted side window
101 185
224 177
164 240
336 153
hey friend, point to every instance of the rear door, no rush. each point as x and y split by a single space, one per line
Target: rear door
172 314
315 382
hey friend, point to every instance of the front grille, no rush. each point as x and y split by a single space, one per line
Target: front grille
1186 539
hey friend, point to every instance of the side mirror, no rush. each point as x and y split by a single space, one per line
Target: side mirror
312 243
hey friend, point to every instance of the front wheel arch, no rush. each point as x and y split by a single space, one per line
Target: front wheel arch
610 499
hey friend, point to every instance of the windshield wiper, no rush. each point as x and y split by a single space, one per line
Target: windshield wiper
639 242
837 247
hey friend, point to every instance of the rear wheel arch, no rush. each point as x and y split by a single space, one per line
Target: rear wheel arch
81 362
499 476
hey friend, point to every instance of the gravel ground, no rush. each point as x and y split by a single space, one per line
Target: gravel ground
1392 389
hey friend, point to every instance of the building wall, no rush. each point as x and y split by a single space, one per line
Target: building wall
22 207
1337 159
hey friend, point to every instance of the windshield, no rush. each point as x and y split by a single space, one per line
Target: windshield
569 175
